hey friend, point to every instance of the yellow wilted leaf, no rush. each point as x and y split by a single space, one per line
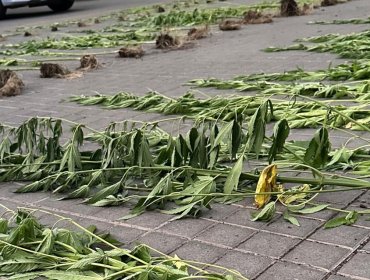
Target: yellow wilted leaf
266 183
292 196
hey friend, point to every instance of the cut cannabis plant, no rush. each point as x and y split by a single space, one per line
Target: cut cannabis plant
30 250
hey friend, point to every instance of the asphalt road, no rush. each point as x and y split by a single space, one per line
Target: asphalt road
82 8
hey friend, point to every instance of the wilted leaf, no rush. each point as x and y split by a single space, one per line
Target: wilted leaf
266 214
266 183
293 220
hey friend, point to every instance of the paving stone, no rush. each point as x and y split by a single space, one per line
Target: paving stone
186 227
316 254
243 218
248 264
126 235
358 266
290 271
367 247
268 244
198 251
162 242
149 219
343 235
338 277
306 227
225 235
220 211
112 213
73 206
338 197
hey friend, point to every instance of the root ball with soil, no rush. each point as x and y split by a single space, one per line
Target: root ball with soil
10 83
135 52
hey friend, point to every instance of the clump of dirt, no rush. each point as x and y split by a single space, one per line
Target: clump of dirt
289 8
81 24
160 9
325 3
54 29
166 41
27 34
255 17
198 33
10 83
229 25
53 70
134 51
89 62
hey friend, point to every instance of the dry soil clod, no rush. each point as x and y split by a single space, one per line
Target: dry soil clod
10 83
89 62
160 9
198 33
255 17
135 52
166 41
229 25
53 70
325 3
289 8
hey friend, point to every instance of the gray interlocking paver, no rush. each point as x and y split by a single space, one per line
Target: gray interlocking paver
226 235
198 251
164 243
338 277
317 254
367 247
357 266
187 227
290 271
307 226
269 244
223 55
243 218
344 235
248 264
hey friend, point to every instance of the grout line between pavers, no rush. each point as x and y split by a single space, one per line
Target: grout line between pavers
353 277
305 238
350 255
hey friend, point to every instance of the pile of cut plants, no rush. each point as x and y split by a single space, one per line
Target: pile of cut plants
31 250
139 27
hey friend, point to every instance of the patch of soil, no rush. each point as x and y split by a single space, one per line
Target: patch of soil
160 9
289 8
10 83
89 62
255 17
325 3
135 52
166 41
198 33
229 25
81 24
53 70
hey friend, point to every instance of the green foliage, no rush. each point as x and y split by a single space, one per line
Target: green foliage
58 253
